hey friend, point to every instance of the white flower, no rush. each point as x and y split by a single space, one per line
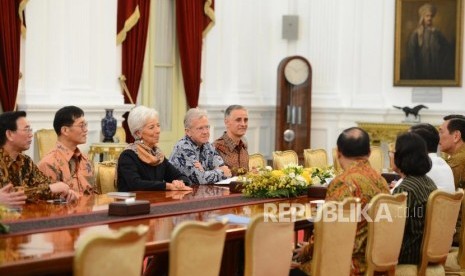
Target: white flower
268 168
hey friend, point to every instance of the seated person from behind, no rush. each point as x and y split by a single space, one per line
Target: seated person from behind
232 146
440 172
18 169
194 155
411 161
358 179
66 162
142 166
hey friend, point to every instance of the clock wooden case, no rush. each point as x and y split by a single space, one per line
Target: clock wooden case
294 105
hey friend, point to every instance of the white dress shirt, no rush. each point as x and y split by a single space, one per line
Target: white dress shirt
441 174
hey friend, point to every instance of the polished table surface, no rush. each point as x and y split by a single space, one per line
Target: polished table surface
52 251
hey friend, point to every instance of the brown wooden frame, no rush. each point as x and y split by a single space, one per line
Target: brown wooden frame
448 19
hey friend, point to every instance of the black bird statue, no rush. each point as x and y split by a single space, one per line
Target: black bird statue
414 111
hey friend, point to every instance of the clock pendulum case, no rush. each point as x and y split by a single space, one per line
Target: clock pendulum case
294 105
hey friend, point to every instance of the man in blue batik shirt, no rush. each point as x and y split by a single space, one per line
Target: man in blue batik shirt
194 156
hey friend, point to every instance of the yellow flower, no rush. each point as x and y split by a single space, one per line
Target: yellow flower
277 173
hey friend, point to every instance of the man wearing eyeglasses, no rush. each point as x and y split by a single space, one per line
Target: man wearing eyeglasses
194 155
19 175
66 162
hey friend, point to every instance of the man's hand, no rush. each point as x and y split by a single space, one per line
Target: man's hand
226 171
177 185
10 197
64 191
198 166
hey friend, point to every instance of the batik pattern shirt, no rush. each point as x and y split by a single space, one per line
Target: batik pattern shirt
234 154
23 172
456 162
418 189
71 167
362 181
186 152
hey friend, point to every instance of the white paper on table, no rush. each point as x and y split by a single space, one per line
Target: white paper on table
232 218
226 181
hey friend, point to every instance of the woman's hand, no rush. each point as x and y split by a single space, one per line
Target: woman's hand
177 185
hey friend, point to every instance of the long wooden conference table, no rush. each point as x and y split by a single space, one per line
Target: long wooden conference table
43 234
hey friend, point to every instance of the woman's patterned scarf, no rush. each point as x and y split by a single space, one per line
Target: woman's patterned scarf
151 156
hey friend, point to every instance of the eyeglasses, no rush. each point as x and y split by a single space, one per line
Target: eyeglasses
83 126
202 128
26 129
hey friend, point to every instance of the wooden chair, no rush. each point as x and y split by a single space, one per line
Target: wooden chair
442 211
283 158
455 263
111 253
385 235
256 160
106 176
315 158
196 248
334 239
376 158
46 141
268 247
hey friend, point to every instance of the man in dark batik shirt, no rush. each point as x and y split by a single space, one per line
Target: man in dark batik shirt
194 156
232 146
18 169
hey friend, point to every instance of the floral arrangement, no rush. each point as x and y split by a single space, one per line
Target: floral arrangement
322 176
291 181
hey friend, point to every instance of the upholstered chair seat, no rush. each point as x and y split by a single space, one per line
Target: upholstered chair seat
315 158
283 158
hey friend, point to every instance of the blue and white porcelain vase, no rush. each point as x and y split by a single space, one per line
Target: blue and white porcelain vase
108 126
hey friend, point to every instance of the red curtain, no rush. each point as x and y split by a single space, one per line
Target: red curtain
193 20
132 25
10 43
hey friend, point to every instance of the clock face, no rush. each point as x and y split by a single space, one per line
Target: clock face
296 71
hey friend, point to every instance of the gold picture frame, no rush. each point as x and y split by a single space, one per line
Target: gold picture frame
428 43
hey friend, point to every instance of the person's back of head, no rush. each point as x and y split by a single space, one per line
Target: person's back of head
411 156
456 124
429 133
8 122
354 142
66 116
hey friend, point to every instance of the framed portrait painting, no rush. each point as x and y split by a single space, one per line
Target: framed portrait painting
428 43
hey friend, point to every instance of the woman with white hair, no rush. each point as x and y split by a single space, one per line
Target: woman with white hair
142 166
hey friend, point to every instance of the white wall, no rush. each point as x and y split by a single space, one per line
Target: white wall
350 45
70 57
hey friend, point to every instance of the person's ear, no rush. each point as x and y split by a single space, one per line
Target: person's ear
9 135
457 135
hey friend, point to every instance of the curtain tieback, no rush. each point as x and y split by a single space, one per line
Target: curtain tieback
122 82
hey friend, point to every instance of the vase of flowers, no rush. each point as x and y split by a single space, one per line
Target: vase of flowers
291 181
108 126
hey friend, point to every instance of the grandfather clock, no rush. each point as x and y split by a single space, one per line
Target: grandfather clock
294 105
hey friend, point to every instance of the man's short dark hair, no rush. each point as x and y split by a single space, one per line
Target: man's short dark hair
231 108
457 124
411 155
429 133
453 116
354 142
66 116
8 122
